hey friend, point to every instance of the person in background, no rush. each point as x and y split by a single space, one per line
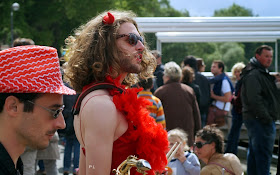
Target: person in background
156 109
200 65
209 148
179 102
158 81
204 86
23 42
222 90
72 145
50 155
236 111
260 109
31 102
184 161
41 170
187 78
106 56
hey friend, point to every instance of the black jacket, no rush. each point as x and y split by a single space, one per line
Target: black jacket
7 166
69 101
259 94
203 83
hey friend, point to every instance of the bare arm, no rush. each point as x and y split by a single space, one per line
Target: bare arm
100 121
225 98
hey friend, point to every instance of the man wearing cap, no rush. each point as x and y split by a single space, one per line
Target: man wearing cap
31 101
111 123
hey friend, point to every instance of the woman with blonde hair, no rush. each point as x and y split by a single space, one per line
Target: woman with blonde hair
184 161
236 111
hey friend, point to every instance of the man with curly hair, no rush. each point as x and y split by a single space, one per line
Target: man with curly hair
111 123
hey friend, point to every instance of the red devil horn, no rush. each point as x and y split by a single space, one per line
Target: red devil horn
108 19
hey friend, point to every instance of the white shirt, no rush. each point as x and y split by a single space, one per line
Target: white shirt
225 88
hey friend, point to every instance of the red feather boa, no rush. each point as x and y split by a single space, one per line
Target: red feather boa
150 137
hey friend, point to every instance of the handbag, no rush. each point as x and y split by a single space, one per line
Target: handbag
216 116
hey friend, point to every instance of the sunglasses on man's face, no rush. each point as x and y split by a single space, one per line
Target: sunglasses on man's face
132 38
54 113
200 144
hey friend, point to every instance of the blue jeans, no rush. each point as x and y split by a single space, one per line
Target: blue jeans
234 133
41 165
203 116
71 144
261 141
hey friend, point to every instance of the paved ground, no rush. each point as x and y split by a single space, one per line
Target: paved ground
241 155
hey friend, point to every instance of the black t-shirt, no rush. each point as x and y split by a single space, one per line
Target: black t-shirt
7 166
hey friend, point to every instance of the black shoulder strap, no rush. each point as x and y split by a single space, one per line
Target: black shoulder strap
93 87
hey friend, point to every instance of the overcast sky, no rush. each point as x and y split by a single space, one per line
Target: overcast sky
207 7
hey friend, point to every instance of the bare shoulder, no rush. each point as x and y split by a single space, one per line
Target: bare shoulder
98 112
97 105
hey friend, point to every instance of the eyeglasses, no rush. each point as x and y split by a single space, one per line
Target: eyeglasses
54 113
200 144
132 38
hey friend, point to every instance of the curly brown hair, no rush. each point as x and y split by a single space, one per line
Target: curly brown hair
211 134
93 53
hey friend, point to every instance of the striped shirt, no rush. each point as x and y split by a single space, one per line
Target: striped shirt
156 110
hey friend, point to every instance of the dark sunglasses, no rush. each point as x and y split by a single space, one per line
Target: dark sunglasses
54 113
132 38
200 144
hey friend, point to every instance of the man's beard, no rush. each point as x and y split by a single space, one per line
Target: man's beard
127 65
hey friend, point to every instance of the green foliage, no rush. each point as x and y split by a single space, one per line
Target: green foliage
178 51
234 10
229 53
49 22
174 52
232 53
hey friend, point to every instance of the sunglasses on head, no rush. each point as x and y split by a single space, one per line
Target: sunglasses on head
200 144
132 38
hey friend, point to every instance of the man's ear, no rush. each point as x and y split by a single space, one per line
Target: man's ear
11 105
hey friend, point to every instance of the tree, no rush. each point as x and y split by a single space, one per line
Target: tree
229 53
234 10
49 22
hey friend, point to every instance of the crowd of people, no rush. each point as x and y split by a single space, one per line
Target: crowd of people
118 99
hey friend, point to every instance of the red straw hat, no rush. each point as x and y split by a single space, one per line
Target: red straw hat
31 69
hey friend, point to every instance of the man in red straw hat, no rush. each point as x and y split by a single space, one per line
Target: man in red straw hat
111 123
31 101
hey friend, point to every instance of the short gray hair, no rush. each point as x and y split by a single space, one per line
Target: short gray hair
156 53
173 71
